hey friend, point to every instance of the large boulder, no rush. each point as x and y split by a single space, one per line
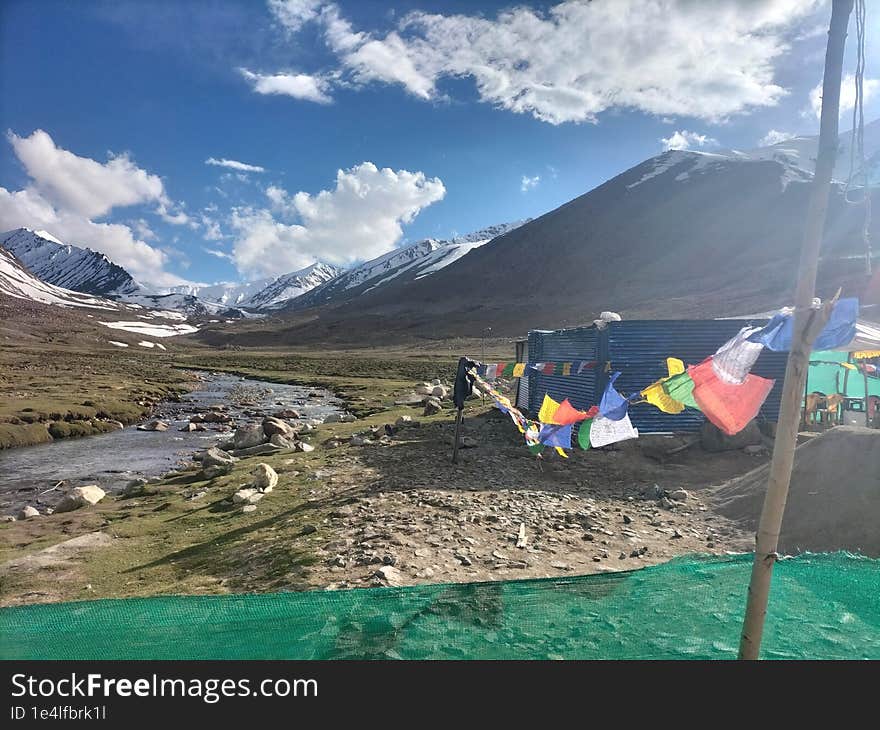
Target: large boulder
283 442
713 439
28 512
424 389
247 496
439 391
272 426
287 413
432 406
216 462
80 497
249 435
265 478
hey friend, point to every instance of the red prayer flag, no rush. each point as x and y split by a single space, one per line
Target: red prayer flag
567 414
549 367
730 406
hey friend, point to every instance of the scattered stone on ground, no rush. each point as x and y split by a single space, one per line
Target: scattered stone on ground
80 497
153 426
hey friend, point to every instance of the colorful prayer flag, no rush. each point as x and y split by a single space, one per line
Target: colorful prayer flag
681 388
613 405
507 371
839 331
552 434
735 358
519 369
548 409
567 413
584 434
604 431
730 407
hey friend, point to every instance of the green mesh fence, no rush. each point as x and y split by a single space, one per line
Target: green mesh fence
821 606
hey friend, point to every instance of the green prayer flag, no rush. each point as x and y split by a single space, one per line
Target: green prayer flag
508 370
584 434
536 448
681 388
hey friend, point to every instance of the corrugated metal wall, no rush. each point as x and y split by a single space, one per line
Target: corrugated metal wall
638 349
579 343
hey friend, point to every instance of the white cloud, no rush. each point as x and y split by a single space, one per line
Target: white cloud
142 229
218 253
847 95
577 59
774 136
82 185
212 227
684 140
527 183
66 191
234 165
297 85
293 14
361 218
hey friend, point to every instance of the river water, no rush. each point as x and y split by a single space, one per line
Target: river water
113 459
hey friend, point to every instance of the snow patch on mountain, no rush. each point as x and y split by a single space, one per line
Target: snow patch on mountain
292 285
152 328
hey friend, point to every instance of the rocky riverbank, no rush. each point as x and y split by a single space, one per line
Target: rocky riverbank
376 501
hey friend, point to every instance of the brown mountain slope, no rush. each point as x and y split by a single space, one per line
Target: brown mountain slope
682 235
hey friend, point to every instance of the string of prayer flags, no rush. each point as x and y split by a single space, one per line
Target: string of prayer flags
727 405
840 329
613 405
490 371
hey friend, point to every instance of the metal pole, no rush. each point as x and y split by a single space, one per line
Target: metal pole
806 327
458 420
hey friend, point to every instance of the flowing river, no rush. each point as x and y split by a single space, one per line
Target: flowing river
113 459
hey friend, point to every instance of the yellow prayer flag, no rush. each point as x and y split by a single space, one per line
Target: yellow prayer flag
566 368
848 366
656 396
548 409
561 452
674 366
519 369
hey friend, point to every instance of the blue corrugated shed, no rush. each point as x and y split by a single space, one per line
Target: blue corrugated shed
638 349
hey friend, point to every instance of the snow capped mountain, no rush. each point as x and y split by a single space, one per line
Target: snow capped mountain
70 267
416 261
18 283
230 294
290 286
801 152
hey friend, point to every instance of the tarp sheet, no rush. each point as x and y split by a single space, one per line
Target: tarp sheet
821 607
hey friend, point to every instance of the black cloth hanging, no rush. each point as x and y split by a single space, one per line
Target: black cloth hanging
464 382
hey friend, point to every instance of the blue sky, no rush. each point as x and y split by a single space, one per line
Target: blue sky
481 114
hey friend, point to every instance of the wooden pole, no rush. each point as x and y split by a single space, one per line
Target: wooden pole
807 324
458 420
867 411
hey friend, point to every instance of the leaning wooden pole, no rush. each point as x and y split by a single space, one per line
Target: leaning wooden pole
805 331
